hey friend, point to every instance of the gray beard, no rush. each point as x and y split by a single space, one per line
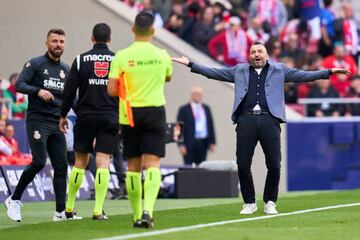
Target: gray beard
257 67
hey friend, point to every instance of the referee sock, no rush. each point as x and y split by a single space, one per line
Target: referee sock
151 188
75 180
101 186
134 190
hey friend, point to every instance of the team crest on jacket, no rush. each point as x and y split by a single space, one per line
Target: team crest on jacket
101 69
37 135
62 74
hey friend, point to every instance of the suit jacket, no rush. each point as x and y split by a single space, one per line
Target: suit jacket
186 116
277 75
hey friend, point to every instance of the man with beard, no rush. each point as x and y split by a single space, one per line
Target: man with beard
259 108
43 79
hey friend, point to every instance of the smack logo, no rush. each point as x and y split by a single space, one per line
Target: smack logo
101 69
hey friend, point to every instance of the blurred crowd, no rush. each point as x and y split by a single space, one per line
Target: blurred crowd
306 34
13 105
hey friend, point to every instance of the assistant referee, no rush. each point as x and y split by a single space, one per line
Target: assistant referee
141 71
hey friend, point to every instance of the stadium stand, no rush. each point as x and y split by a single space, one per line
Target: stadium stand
183 19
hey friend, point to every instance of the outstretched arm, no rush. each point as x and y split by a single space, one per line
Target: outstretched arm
225 74
297 75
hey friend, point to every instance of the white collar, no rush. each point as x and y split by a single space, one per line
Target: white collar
258 70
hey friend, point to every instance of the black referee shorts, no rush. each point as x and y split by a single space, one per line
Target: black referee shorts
149 134
102 127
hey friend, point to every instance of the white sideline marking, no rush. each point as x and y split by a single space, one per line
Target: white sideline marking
198 226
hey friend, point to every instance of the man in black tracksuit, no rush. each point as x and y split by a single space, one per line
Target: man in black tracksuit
43 79
97 118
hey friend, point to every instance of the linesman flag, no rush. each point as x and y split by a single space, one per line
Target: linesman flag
125 109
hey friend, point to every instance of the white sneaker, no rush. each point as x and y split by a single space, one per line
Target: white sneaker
270 208
62 216
13 209
249 208
59 216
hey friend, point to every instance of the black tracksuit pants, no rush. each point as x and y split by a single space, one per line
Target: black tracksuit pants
249 130
45 137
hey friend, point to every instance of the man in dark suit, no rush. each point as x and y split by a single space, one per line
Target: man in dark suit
258 110
199 134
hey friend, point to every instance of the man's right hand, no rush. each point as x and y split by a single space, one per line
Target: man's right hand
45 95
63 125
183 60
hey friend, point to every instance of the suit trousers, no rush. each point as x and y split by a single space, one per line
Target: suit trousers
249 130
197 152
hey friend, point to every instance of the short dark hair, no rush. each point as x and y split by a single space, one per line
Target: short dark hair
258 43
101 32
143 23
57 31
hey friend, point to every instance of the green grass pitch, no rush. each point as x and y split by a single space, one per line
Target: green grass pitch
340 223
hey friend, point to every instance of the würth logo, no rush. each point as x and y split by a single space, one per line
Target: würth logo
131 63
101 69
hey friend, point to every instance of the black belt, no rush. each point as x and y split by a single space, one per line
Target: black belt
256 112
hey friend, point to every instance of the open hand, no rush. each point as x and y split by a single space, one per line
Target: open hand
183 60
340 71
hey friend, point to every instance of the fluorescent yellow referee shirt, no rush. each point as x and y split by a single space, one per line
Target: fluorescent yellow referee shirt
143 68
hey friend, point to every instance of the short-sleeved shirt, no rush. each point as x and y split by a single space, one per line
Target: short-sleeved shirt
144 68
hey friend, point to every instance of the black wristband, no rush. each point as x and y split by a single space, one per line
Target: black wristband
190 64
330 72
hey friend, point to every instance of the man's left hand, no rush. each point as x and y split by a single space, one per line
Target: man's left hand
340 71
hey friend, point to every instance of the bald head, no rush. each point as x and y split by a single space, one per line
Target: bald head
347 10
196 94
258 55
